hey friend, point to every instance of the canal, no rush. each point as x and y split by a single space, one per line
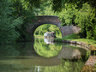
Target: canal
42 56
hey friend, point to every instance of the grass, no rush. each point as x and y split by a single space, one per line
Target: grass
68 37
75 37
71 36
87 41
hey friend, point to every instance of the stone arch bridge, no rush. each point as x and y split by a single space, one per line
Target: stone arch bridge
40 20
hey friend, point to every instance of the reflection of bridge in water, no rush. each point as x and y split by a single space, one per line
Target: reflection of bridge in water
67 53
30 56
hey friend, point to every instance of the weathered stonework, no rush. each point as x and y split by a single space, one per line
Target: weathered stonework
40 20
66 30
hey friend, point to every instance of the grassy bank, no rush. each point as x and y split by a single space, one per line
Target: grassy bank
87 41
75 37
72 37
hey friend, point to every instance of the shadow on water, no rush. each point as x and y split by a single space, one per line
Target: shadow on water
41 57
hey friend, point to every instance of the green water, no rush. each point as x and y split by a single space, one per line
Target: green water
41 57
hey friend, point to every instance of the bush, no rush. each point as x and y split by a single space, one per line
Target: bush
8 23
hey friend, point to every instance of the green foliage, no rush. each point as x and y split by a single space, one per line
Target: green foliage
77 12
46 50
94 32
13 13
8 23
27 9
59 4
46 8
85 18
67 15
48 28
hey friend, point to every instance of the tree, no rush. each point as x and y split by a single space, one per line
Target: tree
59 4
8 22
85 18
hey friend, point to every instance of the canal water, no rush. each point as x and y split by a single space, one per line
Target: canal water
42 56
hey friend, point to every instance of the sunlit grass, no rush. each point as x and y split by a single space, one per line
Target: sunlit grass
71 36
75 37
68 37
87 41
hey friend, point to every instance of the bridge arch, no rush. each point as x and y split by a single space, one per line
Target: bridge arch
40 20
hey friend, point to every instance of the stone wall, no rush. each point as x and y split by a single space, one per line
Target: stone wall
66 30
